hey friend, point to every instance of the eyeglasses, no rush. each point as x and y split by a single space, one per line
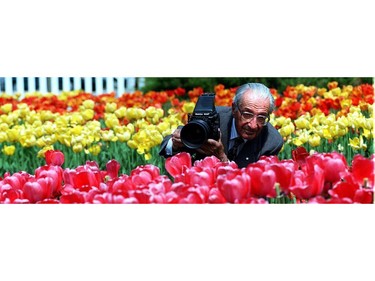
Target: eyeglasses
248 116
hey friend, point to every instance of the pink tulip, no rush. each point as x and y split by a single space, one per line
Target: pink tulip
143 175
262 181
54 172
308 185
234 187
215 196
177 164
38 189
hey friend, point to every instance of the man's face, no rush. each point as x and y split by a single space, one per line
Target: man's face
250 129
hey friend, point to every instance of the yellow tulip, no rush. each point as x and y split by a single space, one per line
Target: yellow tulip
14 133
123 137
9 150
111 120
343 122
95 149
6 108
345 103
357 143
109 136
131 128
135 113
120 112
76 130
314 140
327 133
188 107
76 119
110 107
287 130
3 137
88 104
27 140
46 115
78 147
147 156
88 114
302 123
132 144
367 133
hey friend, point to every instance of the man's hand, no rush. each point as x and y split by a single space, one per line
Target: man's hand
214 147
176 140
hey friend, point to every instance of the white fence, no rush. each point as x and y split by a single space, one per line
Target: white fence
56 85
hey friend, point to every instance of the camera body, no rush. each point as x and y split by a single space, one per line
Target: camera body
203 123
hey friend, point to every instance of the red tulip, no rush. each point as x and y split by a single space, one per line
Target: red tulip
284 172
334 165
113 168
364 196
344 190
299 155
335 200
83 177
54 157
309 184
74 197
363 170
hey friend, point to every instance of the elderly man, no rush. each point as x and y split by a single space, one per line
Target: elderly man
245 133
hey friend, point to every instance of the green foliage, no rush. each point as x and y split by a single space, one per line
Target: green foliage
279 83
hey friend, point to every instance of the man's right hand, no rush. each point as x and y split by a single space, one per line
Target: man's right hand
176 140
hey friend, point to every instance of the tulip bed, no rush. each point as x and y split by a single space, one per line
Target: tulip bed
80 148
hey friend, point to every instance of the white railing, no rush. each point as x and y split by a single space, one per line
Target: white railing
56 85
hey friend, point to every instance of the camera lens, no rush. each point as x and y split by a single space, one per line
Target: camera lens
195 133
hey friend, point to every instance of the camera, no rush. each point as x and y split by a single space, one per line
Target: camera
203 124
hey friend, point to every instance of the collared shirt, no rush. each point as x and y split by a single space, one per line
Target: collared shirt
233 136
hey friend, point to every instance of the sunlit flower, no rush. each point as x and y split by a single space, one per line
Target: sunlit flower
88 114
77 147
9 150
6 108
88 104
357 143
287 130
110 107
314 140
94 149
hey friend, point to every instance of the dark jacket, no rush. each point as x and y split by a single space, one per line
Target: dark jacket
269 142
